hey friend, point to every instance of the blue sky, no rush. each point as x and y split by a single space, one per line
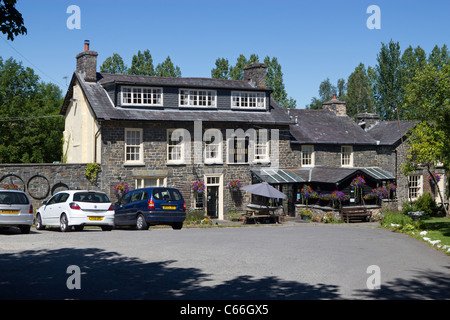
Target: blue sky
313 40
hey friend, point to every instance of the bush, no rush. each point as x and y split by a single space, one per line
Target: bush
396 218
424 203
195 215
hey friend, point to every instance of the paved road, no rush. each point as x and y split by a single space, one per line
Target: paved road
303 261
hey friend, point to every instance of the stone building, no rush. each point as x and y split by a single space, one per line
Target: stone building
157 131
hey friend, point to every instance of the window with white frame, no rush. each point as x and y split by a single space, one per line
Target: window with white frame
142 96
307 156
133 146
346 156
261 146
248 100
238 150
414 186
198 98
175 147
147 182
213 146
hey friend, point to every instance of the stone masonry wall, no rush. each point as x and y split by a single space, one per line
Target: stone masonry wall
41 181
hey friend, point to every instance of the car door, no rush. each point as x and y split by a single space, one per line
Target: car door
132 207
49 211
121 209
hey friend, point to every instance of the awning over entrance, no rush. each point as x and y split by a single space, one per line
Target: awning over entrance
277 176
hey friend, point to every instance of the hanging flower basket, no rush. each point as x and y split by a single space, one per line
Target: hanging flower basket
235 185
121 188
198 187
436 176
10 186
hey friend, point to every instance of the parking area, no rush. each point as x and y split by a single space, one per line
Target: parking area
289 261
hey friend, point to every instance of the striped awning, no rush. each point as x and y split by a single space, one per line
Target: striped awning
277 175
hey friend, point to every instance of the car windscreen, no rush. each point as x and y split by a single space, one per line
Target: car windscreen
13 198
167 195
90 197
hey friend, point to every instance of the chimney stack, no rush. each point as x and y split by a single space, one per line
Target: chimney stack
256 72
87 63
338 107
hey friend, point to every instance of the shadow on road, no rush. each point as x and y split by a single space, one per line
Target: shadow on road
110 275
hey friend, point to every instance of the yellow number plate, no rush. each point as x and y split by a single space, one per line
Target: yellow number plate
169 207
10 211
95 218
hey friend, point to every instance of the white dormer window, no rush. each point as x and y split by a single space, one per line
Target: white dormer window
198 98
141 96
248 100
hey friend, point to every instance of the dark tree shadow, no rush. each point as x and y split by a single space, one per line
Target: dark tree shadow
107 275
426 285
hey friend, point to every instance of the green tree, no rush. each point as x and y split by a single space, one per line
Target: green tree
326 92
114 65
359 92
167 69
142 64
389 82
427 98
439 57
274 80
11 20
222 69
30 126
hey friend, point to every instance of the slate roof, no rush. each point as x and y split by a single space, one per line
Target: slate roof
324 127
336 175
104 109
388 132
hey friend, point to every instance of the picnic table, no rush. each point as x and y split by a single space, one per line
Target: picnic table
258 213
355 213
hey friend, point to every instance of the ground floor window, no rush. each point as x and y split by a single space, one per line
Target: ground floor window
414 186
146 182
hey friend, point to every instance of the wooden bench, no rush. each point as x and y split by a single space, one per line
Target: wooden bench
355 213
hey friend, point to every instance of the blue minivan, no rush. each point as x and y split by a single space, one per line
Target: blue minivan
147 207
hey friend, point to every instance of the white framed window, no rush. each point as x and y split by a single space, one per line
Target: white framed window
346 156
213 146
141 96
237 150
175 147
146 182
415 182
197 98
133 146
261 154
248 100
307 156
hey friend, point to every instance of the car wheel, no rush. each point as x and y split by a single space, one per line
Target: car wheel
25 229
39 225
177 226
141 224
64 223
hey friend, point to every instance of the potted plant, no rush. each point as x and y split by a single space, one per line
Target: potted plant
120 189
305 193
324 199
234 185
337 197
198 187
370 198
305 214
358 183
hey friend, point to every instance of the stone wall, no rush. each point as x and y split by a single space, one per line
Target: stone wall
41 181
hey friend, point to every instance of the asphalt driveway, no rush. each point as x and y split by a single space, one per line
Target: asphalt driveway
289 261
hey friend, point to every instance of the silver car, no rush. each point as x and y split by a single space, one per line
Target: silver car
16 210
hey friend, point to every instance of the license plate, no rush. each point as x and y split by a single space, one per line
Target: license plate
169 207
95 218
10 211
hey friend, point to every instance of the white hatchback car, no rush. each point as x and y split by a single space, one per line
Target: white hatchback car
76 208
16 210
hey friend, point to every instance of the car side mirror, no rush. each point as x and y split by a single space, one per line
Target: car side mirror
44 203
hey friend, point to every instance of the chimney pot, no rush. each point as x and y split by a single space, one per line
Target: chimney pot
334 97
256 72
86 45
